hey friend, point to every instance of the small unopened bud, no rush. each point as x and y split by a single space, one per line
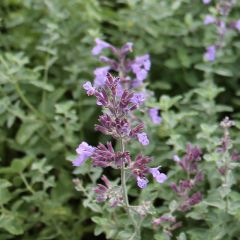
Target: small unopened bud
227 123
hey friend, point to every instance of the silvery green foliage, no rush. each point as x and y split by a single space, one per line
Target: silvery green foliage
45 58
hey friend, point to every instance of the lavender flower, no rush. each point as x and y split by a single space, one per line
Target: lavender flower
140 67
140 171
176 158
100 76
142 182
209 20
153 113
89 88
143 139
206 1
237 25
159 177
84 151
100 45
221 28
210 53
138 98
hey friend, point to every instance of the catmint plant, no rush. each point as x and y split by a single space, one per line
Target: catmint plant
220 20
118 122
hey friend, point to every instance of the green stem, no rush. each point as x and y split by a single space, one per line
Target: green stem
45 79
226 164
29 188
30 106
25 100
125 195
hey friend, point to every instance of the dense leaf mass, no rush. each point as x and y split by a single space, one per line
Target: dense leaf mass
185 52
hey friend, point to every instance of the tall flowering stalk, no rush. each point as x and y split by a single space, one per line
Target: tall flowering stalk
187 196
227 158
185 187
220 20
117 122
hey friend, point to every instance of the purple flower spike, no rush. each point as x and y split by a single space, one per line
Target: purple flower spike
207 1
100 76
143 139
159 177
153 113
84 151
237 25
210 54
142 182
100 45
209 20
89 88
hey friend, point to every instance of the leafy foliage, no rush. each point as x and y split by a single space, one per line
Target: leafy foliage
45 58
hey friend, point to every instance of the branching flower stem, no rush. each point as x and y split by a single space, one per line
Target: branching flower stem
125 194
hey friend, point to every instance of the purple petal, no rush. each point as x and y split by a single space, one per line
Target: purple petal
209 19
210 54
141 66
142 182
89 88
206 1
237 25
100 45
159 177
176 158
138 98
142 138
84 151
78 161
100 76
153 113
154 171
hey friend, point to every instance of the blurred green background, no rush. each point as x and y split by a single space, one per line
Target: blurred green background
45 56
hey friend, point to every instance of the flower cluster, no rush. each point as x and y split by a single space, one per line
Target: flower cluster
132 73
168 223
121 64
108 192
223 9
140 170
116 122
189 164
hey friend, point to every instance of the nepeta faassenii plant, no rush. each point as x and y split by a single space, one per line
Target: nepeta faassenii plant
120 103
220 20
